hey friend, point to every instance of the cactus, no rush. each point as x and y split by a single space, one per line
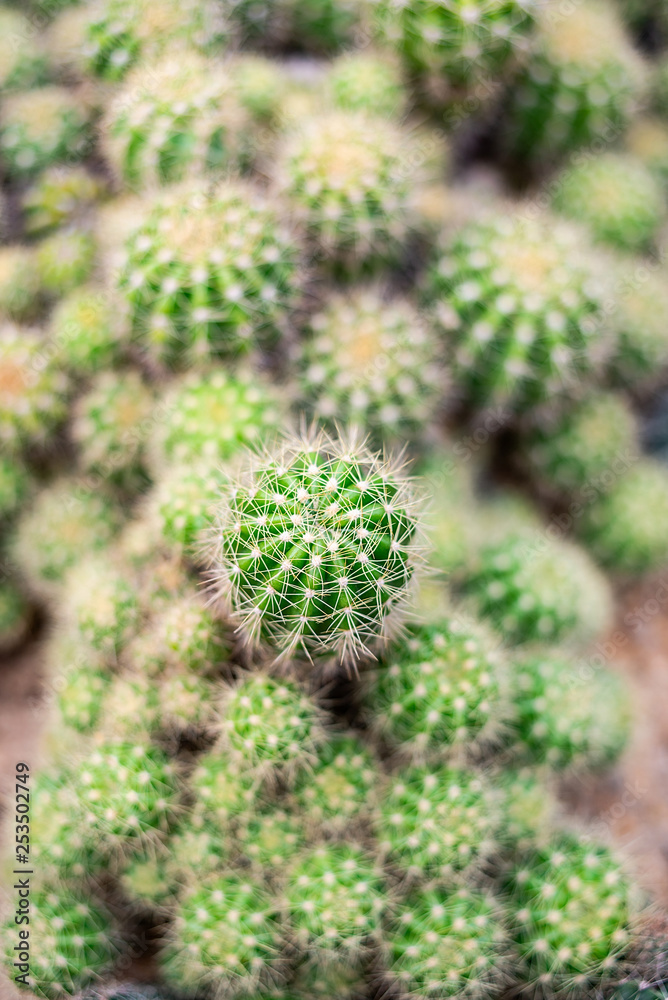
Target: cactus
442 690
647 141
100 605
640 357
41 127
529 809
521 306
130 709
20 286
120 33
110 424
261 86
354 207
449 47
336 897
23 63
319 982
82 687
226 938
209 275
373 364
269 837
447 945
71 943
61 194
186 705
534 588
271 726
626 530
321 26
14 616
569 915
580 85
564 719
181 506
84 331
359 81
14 485
585 447
195 850
616 197
338 791
175 118
182 634
65 520
437 824
33 397
64 261
62 843
145 878
222 789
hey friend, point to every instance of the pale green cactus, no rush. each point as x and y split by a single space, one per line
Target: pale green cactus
40 127
60 194
181 506
338 791
20 286
64 261
100 604
34 392
23 61
15 484
84 331
361 81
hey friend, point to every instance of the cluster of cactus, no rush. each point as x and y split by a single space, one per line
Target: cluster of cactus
40 127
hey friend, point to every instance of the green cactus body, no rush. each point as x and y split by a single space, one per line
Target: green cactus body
569 915
222 789
14 616
336 898
65 39
355 205
529 809
146 878
71 943
226 938
130 709
647 141
20 285
182 635
186 704
175 118
271 836
315 981
321 27
261 85
566 720
521 307
338 791
60 194
209 275
196 850
371 363
442 690
616 197
64 261
358 81
182 503
23 63
449 47
437 824
62 843
41 127
15 484
100 604
82 687
315 546
272 727
627 531
111 423
84 331
587 446
536 589
640 356
580 84
447 945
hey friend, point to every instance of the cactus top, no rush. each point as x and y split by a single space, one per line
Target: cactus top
314 547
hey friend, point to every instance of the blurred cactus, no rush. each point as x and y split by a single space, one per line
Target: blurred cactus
321 26
100 605
14 484
640 356
23 62
182 634
20 285
647 141
40 127
33 397
337 791
181 507
60 194
260 85
358 81
64 261
14 616
84 331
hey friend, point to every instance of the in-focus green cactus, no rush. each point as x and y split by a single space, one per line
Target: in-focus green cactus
60 194
564 719
521 305
447 945
23 62
616 197
20 285
441 690
64 261
371 363
181 506
41 127
100 603
361 81
437 823
627 530
534 588
344 175
14 616
175 118
32 392
640 357
338 791
209 275
84 332
314 548
581 83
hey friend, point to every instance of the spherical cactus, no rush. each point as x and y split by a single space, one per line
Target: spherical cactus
222 789
581 83
84 332
437 823
64 261
315 548
271 726
100 604
569 915
226 937
130 709
338 791
81 686
72 943
441 690
23 62
186 705
60 194
359 81
447 945
65 520
640 356
521 307
14 616
196 850
353 206
111 423
647 141
20 285
336 898
534 588
616 197
529 809
120 33
626 530
14 484
209 275
41 127
146 881
448 48
586 447
182 634
181 506
270 836
260 85
177 117
33 396
371 363
317 981
62 842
